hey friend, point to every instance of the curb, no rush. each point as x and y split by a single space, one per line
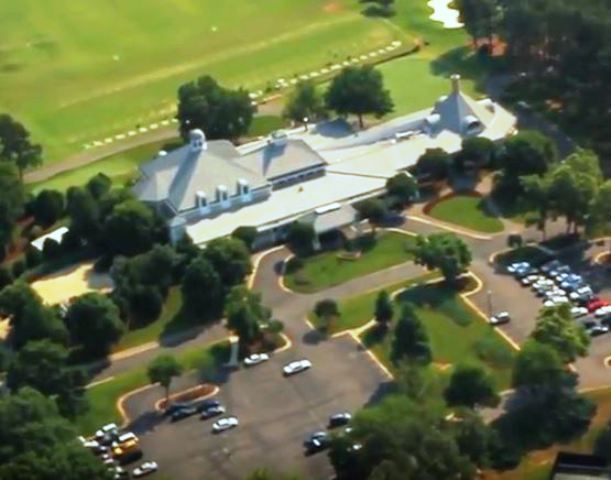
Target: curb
215 390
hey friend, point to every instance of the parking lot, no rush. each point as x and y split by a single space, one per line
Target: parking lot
275 414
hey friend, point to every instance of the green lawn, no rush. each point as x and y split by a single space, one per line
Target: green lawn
327 269
110 66
103 398
120 168
358 310
469 212
456 332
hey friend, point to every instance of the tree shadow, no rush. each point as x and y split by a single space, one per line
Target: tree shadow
464 61
337 128
146 422
314 337
377 11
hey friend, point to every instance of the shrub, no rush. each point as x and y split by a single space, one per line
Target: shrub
33 257
488 351
6 277
51 249
18 268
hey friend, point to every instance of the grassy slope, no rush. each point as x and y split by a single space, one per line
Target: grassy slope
456 332
327 269
469 212
109 66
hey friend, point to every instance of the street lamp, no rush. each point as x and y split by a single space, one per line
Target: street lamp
305 122
489 297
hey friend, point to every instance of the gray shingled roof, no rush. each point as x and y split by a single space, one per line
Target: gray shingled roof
272 161
179 175
457 107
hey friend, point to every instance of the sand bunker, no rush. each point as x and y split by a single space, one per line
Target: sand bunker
444 14
71 282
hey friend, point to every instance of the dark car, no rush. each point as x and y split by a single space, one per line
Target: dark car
183 413
317 442
174 408
339 419
207 404
212 412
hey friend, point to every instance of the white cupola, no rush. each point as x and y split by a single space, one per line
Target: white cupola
197 140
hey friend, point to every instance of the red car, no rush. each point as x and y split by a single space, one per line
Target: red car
595 304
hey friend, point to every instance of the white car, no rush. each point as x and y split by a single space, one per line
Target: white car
296 367
515 267
530 279
145 469
499 318
256 359
578 312
109 429
223 424
549 266
603 311
581 292
555 301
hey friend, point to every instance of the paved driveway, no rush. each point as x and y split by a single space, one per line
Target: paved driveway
275 414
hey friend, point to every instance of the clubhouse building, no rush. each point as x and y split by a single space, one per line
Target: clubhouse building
210 188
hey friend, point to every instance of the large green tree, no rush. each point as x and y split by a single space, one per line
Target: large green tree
556 327
38 444
305 102
48 207
220 112
383 310
12 198
162 370
246 314
443 251
131 228
16 146
411 340
402 187
94 323
600 213
471 386
359 91
43 365
230 257
202 290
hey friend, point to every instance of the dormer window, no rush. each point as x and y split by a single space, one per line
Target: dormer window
222 196
197 140
202 200
243 187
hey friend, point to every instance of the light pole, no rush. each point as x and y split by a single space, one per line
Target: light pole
489 297
305 122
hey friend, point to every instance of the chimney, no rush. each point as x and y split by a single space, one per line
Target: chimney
197 140
455 79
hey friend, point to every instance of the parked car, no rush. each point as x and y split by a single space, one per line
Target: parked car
549 266
183 413
603 311
530 279
107 433
119 473
175 407
555 274
145 469
555 301
499 319
339 419
224 424
597 330
256 359
554 292
514 267
296 367
525 272
317 441
206 404
595 304
212 412
584 291
579 312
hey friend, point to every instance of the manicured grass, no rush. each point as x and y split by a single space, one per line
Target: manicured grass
265 124
103 398
153 331
110 66
469 212
120 168
329 268
457 334
527 253
358 310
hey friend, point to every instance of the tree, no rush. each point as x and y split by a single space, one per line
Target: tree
433 164
48 207
384 310
403 187
401 439
218 111
537 366
480 17
43 365
471 386
555 327
84 213
248 235
326 310
444 251
162 370
527 153
99 185
479 150
474 438
536 196
12 198
359 91
373 210
202 290
230 258
94 323
15 145
29 318
246 314
411 341
600 218
300 237
602 446
38 444
131 228
304 103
